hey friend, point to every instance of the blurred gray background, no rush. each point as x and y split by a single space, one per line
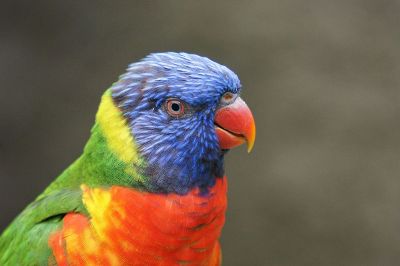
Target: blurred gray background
322 77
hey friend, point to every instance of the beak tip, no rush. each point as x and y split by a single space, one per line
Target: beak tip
250 146
251 138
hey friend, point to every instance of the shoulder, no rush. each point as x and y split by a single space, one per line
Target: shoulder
25 241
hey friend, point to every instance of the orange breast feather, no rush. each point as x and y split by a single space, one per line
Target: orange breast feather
128 227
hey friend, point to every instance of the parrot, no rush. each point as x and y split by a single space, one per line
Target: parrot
149 187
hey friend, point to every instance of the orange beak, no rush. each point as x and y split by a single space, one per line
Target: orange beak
234 124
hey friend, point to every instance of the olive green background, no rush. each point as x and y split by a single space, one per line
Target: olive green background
322 185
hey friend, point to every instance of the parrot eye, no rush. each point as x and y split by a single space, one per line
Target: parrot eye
228 98
175 107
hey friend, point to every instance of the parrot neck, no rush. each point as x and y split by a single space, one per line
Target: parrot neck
110 155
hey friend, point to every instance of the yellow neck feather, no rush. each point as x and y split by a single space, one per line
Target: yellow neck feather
115 130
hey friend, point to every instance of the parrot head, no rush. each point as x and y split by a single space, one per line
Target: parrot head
184 112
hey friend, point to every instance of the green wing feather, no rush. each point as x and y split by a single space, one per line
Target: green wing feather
25 241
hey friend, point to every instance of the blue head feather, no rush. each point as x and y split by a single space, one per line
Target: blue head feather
181 153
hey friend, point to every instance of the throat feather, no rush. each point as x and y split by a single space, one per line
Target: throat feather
154 229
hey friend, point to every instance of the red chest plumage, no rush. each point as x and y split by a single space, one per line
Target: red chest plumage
128 227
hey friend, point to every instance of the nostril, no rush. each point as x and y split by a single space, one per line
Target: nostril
228 98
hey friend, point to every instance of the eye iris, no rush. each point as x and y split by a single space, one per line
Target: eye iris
175 108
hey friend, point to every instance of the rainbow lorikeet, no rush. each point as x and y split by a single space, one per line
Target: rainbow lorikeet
149 188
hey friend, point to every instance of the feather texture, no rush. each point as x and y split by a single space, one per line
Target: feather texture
149 188
128 227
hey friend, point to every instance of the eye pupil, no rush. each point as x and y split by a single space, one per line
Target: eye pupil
175 107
